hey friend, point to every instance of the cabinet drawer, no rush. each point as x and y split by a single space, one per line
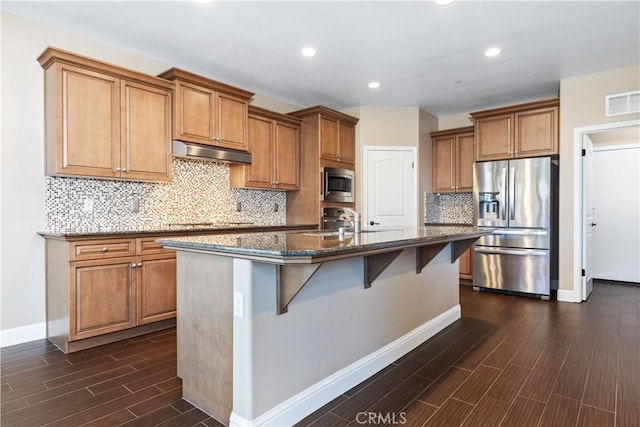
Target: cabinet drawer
148 246
100 249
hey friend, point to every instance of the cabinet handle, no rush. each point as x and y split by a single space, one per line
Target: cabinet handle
118 169
140 265
124 170
134 265
105 249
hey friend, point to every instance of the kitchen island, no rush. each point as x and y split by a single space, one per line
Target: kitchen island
272 326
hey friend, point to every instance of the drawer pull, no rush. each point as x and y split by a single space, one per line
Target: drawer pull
105 249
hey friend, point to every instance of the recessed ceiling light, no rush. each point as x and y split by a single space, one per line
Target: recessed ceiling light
493 51
374 85
308 51
443 2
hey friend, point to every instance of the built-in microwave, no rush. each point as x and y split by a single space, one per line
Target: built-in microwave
337 185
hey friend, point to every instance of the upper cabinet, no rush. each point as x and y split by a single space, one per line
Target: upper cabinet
525 130
105 121
452 160
274 143
336 133
209 112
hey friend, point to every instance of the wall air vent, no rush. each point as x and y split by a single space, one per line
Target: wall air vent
622 103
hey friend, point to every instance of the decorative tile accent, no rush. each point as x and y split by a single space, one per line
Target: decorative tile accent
198 193
456 208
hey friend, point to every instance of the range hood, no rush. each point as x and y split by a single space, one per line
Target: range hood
190 150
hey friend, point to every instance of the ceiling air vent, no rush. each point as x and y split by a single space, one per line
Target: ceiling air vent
622 103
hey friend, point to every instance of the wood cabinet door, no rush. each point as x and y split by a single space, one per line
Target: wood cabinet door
466 264
258 174
102 297
194 113
231 122
347 148
156 288
88 134
146 132
286 153
536 132
442 165
494 137
329 138
464 162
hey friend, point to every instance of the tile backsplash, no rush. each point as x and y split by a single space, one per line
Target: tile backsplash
456 208
198 192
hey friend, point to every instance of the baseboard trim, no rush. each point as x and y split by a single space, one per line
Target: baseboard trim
23 334
565 295
304 403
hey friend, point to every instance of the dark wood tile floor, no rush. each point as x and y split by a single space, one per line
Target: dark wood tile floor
509 361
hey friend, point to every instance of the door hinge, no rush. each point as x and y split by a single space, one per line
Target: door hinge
584 152
584 272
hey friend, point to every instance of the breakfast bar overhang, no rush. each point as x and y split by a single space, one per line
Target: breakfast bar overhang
272 326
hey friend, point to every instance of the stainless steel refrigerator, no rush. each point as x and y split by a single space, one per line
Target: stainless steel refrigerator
519 199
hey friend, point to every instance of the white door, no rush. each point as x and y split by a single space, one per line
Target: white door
616 200
588 222
390 187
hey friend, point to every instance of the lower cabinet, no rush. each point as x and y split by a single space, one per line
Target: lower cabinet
466 264
102 297
156 286
104 290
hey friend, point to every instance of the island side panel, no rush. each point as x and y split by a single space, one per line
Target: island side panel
332 323
205 332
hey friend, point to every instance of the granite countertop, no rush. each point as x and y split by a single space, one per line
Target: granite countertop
310 245
173 229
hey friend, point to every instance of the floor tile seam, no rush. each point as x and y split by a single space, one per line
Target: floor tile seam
597 407
89 377
370 403
22 407
332 413
546 407
450 395
487 389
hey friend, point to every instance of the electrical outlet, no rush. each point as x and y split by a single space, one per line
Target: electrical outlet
135 206
276 207
238 206
88 206
238 304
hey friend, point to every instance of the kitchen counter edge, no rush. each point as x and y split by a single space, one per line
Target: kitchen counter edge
222 229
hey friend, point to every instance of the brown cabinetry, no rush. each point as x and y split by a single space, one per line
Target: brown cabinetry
466 264
337 140
99 288
327 139
105 121
274 143
525 130
452 160
209 112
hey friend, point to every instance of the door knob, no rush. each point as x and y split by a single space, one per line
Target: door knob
373 223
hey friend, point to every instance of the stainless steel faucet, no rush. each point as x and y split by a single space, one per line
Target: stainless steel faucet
353 217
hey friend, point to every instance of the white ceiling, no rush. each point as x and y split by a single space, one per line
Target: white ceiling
416 50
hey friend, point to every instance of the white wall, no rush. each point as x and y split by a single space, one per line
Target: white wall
616 200
582 104
396 126
22 284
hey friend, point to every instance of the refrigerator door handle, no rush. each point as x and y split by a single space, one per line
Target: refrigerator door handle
512 193
521 252
522 232
503 185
